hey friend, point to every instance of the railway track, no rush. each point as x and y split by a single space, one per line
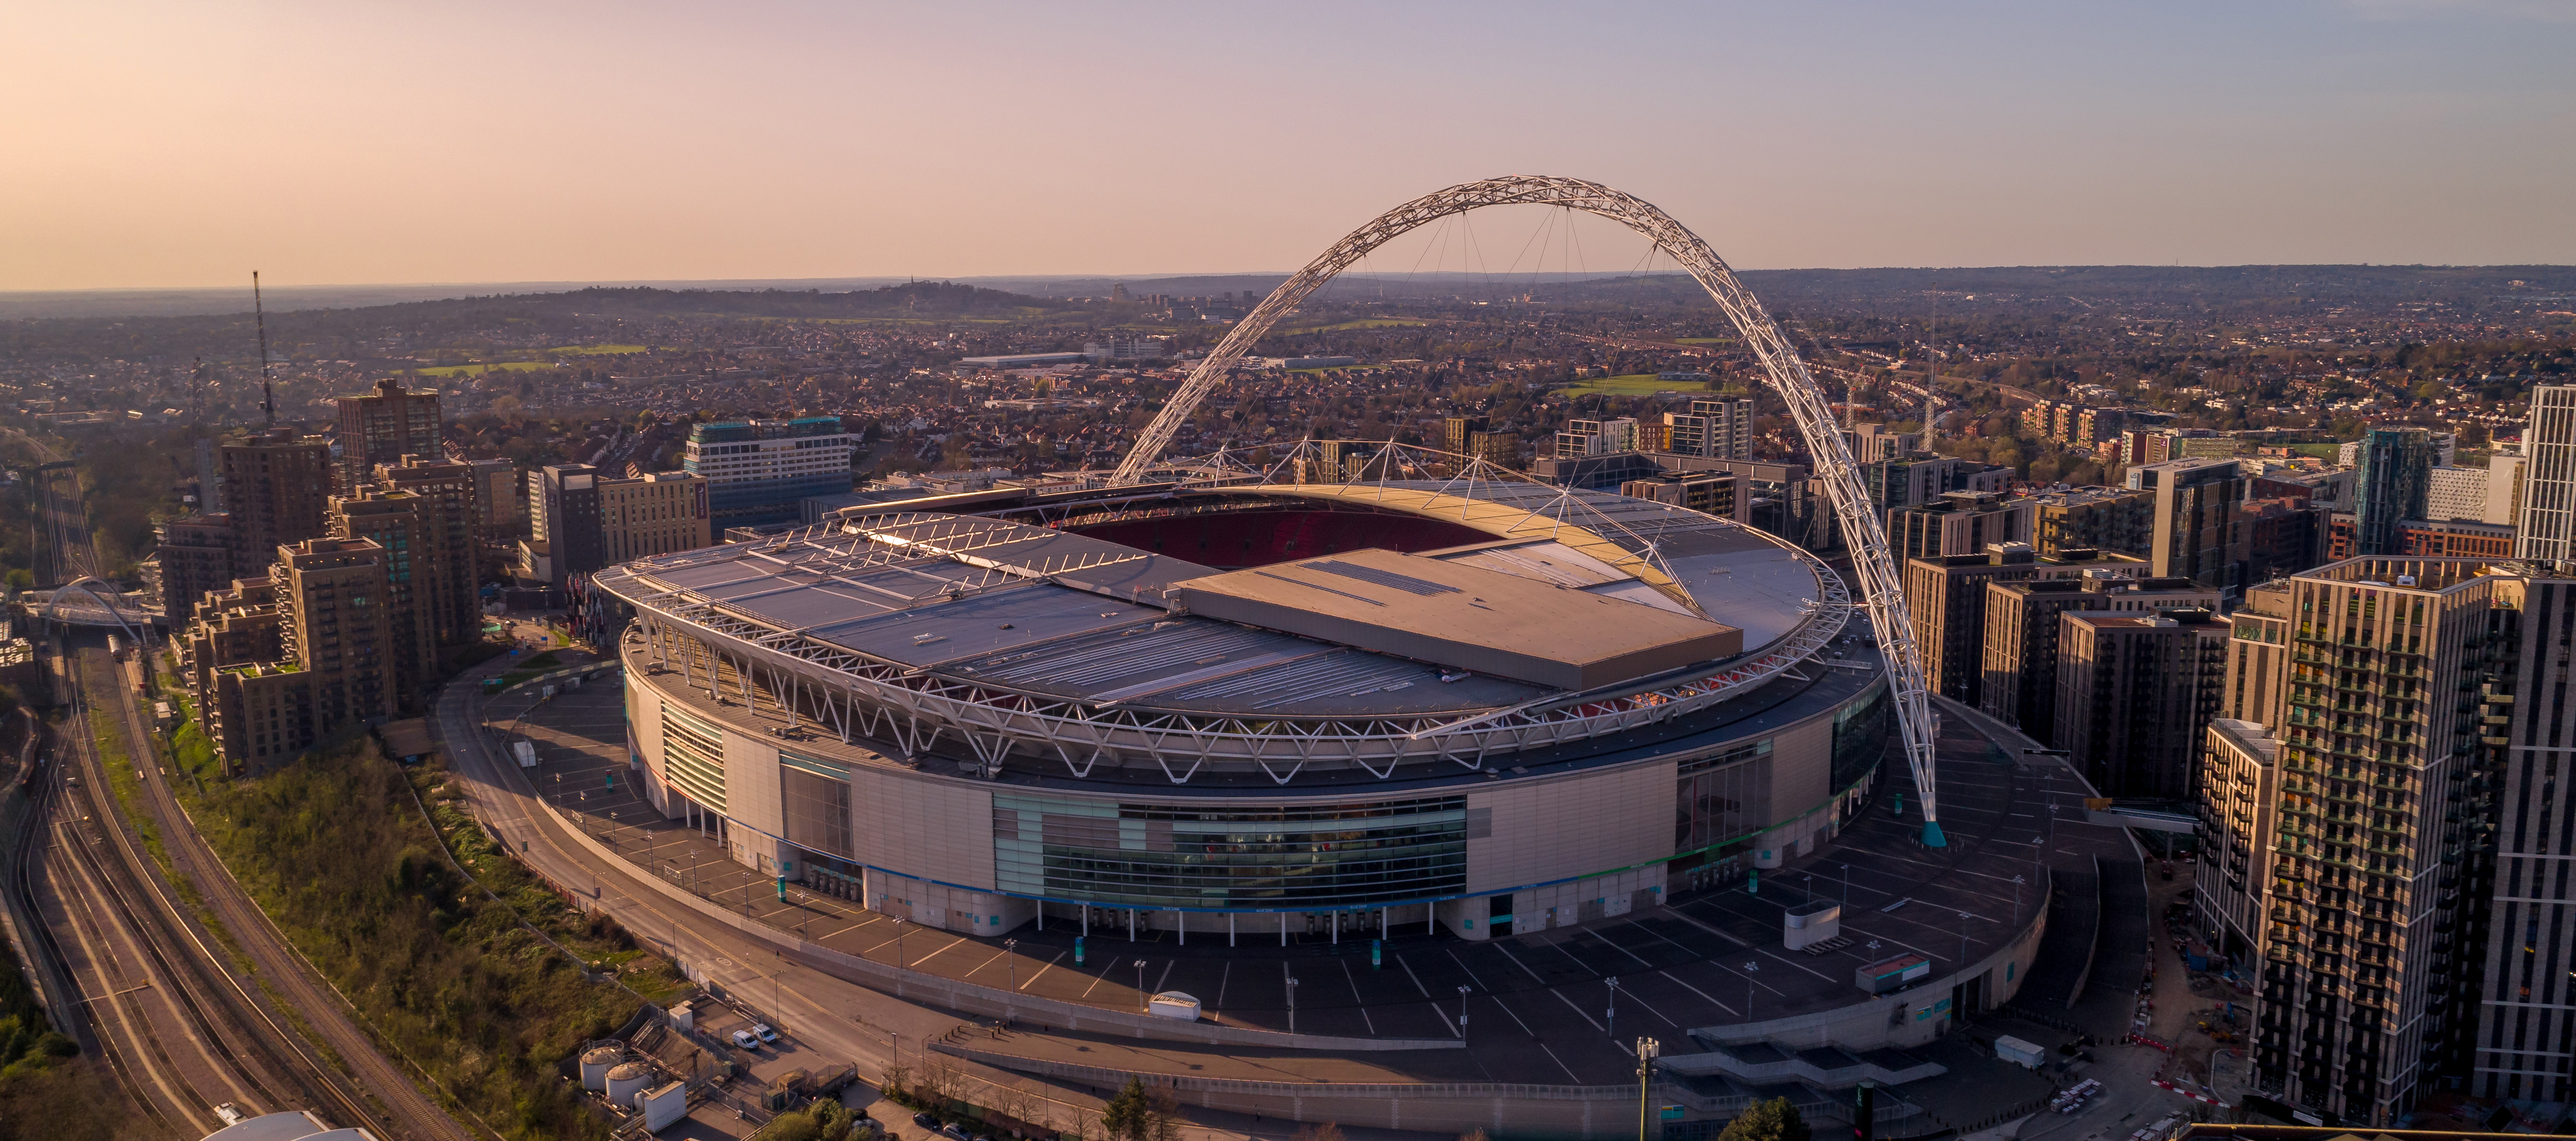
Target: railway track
370 1089
182 1032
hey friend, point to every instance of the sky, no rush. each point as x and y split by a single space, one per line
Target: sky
169 144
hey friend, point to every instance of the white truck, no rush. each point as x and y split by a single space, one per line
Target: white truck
526 751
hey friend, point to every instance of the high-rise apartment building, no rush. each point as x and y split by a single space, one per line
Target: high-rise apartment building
277 488
1597 437
2134 692
652 515
279 665
194 554
757 471
383 426
566 501
1455 430
2380 869
2019 686
2197 533
2094 518
500 494
335 619
2395 481
2239 794
450 565
399 523
2258 657
1957 523
2546 529
1719 429
1946 598
2526 999
1501 449
1871 443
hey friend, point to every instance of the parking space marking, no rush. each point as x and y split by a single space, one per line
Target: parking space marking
1356 997
1525 967
1686 917
935 954
1614 945
1222 979
1050 965
970 972
1730 1011
1578 1011
1417 979
1471 974
1102 977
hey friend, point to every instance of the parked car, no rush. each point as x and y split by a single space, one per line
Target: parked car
744 1039
952 1132
925 1121
766 1034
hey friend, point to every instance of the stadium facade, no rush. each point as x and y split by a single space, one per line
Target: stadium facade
1230 710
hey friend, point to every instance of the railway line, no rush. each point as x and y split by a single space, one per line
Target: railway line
162 1005
190 1005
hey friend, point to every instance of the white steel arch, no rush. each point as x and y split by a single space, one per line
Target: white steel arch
1880 585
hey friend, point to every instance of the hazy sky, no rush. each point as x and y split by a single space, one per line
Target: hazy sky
158 144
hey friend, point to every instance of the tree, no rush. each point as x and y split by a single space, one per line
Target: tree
1328 1131
1773 1120
1127 1116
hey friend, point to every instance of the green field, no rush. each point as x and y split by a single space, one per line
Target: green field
2321 451
596 350
1362 323
479 369
1635 384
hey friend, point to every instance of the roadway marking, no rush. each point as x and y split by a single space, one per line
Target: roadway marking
1223 978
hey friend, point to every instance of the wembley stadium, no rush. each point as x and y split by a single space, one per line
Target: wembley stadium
1237 705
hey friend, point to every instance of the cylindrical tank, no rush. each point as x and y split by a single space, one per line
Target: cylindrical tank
627 1080
595 1065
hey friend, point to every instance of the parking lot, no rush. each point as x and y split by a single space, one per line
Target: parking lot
1539 1007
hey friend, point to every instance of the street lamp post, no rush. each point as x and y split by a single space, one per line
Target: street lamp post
1011 963
1749 970
1462 1013
1146 1003
1612 1012
898 942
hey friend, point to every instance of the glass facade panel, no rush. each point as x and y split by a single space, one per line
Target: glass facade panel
693 757
1153 855
1723 796
814 796
1862 731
